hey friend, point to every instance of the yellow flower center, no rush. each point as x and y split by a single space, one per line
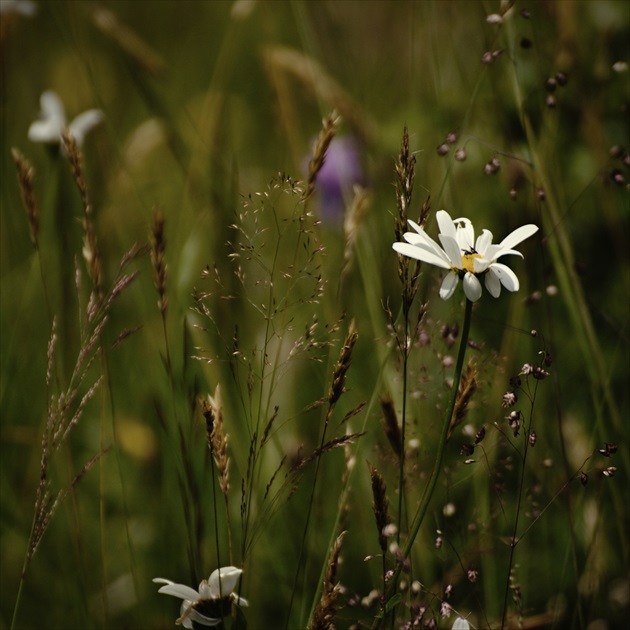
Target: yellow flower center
468 259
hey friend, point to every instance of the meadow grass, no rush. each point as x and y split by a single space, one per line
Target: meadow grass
212 357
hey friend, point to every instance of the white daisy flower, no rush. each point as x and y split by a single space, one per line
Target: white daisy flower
52 122
211 603
464 257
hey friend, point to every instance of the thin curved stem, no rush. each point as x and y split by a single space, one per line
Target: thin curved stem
437 467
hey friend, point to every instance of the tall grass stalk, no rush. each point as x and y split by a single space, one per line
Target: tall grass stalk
437 466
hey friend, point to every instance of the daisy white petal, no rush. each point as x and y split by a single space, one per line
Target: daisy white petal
445 223
419 253
506 276
518 236
472 286
179 590
452 250
484 240
223 586
194 615
448 285
83 123
493 284
52 108
465 233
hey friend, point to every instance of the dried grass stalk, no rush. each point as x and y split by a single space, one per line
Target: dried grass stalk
327 133
91 252
326 609
467 387
26 178
217 438
342 366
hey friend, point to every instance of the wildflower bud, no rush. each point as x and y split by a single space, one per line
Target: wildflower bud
492 167
562 78
551 290
480 435
467 449
442 149
438 542
550 101
610 471
617 177
583 478
494 18
610 448
460 155
550 84
526 43
509 399
470 461
451 137
534 332
541 193
546 358
515 381
445 610
448 591
540 374
487 57
527 369
616 151
532 438
473 574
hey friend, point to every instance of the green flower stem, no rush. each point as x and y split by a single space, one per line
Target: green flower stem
428 493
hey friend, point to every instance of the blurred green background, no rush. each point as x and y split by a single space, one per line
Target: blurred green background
204 103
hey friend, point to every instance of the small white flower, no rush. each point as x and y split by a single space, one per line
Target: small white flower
460 624
464 257
23 7
52 122
217 590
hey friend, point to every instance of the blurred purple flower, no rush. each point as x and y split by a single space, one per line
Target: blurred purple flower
334 183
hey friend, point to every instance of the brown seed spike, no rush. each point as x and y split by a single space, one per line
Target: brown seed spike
158 258
390 424
343 363
380 505
327 133
26 176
